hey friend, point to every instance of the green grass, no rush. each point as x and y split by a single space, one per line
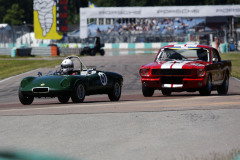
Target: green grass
13 67
235 59
5 56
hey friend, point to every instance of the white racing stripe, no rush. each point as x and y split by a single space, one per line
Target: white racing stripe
177 85
172 86
166 86
174 64
167 65
179 64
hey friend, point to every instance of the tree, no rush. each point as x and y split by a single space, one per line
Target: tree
14 16
73 10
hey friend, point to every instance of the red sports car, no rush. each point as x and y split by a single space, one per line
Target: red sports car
186 68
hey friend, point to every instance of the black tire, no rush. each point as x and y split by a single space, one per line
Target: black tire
63 99
147 91
93 52
115 92
82 53
206 91
102 52
223 89
25 99
166 92
79 93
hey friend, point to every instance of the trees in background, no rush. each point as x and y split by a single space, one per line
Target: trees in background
16 12
14 15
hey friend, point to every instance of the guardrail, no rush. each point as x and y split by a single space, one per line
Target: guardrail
41 51
74 49
5 51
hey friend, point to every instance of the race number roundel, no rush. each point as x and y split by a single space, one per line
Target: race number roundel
103 78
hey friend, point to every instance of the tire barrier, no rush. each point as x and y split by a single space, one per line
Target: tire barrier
74 49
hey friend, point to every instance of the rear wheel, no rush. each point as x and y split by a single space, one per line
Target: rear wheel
63 99
102 52
79 93
206 91
166 92
223 89
93 52
147 91
25 99
115 93
82 53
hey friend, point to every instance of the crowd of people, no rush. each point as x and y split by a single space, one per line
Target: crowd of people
149 25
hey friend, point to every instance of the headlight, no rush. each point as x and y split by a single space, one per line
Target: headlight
201 72
65 83
24 83
143 72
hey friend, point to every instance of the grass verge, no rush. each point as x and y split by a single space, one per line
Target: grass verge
235 59
13 67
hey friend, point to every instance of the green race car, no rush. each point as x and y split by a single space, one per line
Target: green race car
76 84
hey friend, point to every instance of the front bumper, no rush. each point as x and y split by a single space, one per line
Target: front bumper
49 93
186 83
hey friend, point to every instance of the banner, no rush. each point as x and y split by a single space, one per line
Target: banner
45 24
155 12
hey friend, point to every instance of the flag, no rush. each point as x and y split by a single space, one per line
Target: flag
91 5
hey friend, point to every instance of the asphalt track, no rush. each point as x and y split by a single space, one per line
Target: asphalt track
214 118
128 66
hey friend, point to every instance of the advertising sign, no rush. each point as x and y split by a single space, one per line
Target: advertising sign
155 12
45 18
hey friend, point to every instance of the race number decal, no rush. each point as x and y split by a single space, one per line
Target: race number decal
103 78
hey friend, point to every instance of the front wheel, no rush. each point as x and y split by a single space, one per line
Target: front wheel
206 91
79 93
147 91
63 99
223 89
115 92
25 99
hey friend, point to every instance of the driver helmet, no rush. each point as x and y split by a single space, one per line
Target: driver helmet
67 66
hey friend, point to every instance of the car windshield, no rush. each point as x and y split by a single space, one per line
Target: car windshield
189 54
89 40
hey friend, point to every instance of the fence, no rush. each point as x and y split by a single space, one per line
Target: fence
21 35
10 35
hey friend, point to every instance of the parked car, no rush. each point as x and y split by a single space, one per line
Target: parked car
189 68
91 46
67 83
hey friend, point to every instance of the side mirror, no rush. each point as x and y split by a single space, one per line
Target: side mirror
39 74
215 60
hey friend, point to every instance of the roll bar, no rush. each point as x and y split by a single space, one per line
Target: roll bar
82 65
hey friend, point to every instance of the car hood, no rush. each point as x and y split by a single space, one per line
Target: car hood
51 81
176 65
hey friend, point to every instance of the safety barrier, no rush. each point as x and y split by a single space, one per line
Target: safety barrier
41 51
5 51
111 48
140 45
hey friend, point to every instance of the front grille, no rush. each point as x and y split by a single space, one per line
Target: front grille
172 80
40 90
174 72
